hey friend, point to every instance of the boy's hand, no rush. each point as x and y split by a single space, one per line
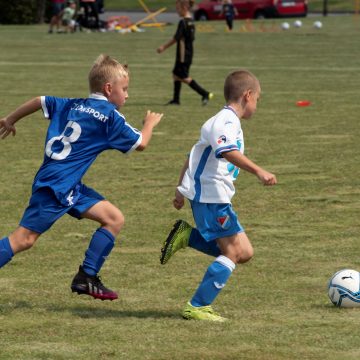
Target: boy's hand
178 202
6 128
266 178
160 49
152 118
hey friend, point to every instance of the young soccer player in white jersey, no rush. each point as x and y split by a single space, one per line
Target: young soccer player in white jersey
207 181
79 130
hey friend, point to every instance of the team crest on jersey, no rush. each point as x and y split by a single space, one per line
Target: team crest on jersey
221 139
224 221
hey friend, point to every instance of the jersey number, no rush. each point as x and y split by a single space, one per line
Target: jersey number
66 140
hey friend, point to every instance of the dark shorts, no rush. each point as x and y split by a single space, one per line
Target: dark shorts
181 70
56 8
44 208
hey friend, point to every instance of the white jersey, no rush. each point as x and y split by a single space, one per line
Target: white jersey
210 177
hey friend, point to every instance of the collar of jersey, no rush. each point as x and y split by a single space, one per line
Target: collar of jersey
227 107
97 96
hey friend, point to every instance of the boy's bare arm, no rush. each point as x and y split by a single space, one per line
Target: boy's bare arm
150 121
7 123
241 161
162 48
178 201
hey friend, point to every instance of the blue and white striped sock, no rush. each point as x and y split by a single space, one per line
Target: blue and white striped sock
213 282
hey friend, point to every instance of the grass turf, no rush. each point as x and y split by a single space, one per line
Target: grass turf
303 230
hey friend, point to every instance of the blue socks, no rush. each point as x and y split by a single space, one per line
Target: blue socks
197 242
6 252
214 280
100 247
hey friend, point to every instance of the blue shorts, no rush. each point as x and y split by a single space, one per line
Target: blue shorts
44 208
215 221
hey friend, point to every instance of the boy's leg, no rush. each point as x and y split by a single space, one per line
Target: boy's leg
235 249
21 239
183 235
205 95
101 244
197 242
177 89
111 220
43 210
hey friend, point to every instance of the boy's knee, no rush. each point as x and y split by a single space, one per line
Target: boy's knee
245 255
22 242
28 242
116 222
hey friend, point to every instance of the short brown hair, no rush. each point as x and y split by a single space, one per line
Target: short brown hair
187 3
104 70
238 82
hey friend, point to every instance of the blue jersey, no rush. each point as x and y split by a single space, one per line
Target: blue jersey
79 130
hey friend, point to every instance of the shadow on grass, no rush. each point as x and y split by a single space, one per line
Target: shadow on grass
87 312
6 308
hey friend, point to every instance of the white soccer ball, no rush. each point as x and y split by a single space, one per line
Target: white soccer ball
344 288
298 23
285 26
317 24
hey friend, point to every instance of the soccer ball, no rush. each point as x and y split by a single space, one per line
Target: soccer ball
344 288
317 24
298 23
285 26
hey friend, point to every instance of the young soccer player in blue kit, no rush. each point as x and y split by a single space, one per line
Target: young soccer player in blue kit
207 181
79 130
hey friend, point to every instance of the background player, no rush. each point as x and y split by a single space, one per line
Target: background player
229 11
79 130
184 38
207 181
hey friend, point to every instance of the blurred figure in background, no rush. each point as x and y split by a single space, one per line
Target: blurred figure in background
91 10
229 11
67 17
56 8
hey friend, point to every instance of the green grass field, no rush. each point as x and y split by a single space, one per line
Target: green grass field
303 230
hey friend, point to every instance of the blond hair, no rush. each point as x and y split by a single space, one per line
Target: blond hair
104 70
238 82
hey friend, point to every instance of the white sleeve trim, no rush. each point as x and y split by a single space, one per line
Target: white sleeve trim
44 108
135 145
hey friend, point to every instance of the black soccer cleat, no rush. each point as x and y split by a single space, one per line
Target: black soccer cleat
91 285
205 99
173 102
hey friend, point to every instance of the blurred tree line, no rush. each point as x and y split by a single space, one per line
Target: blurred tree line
24 11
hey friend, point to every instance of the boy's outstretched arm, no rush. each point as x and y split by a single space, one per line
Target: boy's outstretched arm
241 161
150 121
7 123
162 48
178 201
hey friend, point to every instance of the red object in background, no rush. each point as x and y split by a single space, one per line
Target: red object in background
252 9
303 103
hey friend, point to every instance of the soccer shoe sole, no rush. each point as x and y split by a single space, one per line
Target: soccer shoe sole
168 243
212 318
202 316
94 295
